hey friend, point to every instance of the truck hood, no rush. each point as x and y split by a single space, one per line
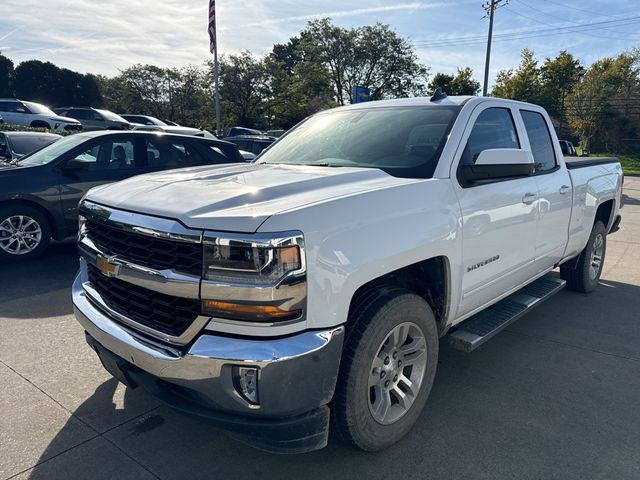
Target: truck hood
238 197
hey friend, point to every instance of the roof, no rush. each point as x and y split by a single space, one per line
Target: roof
425 102
144 133
30 134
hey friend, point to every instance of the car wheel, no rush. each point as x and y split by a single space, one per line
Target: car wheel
586 275
24 233
388 366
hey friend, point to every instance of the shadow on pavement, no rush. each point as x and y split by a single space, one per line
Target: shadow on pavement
33 289
540 402
627 200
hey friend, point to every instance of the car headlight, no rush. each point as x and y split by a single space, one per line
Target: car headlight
81 221
254 277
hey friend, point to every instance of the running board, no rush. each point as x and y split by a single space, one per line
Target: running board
485 325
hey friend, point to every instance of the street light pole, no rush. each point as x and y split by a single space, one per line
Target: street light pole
490 7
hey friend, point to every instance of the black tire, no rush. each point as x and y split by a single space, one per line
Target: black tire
582 278
40 124
41 221
376 315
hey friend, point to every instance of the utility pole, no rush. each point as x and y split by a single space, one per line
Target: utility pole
490 7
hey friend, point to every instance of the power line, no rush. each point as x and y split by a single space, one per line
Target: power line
535 9
524 34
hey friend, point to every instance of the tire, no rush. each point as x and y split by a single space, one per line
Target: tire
32 241
358 410
40 124
585 276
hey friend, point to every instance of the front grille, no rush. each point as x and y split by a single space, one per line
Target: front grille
147 251
161 312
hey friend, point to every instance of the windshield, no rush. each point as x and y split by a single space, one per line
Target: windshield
402 141
111 116
53 151
27 144
38 108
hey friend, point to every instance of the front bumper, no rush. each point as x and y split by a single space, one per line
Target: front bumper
296 376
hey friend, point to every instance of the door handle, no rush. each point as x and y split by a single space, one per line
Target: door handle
529 198
564 189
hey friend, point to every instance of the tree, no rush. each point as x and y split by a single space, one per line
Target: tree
559 76
523 84
372 56
7 77
242 90
296 88
460 84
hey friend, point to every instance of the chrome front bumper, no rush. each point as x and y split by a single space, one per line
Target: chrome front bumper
296 374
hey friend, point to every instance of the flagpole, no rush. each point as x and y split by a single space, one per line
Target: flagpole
216 73
213 48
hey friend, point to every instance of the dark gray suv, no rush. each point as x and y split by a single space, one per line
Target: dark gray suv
94 118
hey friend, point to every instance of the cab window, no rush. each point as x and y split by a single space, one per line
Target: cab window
540 141
494 128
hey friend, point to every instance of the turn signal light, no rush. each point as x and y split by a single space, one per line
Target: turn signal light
244 311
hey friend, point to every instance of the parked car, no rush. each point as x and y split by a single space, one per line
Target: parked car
35 115
322 276
14 145
39 193
153 124
95 118
275 133
570 151
251 143
235 131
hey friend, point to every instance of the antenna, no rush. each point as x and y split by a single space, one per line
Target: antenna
438 95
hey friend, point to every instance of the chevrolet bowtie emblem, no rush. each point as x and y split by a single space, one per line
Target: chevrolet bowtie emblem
107 268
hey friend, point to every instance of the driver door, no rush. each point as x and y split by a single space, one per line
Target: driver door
110 159
499 217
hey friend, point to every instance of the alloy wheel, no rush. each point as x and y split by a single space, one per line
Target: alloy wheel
19 234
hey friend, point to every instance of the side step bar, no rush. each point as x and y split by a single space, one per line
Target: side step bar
485 325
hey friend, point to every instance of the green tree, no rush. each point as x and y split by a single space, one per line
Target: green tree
558 77
523 84
243 87
371 56
7 77
460 84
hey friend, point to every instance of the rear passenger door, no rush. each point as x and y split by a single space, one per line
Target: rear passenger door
554 190
499 217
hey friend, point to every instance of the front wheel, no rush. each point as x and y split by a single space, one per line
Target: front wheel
585 276
24 233
388 367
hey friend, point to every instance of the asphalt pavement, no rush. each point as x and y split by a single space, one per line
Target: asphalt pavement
555 396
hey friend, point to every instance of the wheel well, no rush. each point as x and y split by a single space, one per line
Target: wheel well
604 212
429 279
39 124
40 208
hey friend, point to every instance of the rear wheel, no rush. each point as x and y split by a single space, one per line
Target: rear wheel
24 233
388 367
584 278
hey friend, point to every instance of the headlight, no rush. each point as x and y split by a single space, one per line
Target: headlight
252 261
260 278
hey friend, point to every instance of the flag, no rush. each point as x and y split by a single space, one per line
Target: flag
212 25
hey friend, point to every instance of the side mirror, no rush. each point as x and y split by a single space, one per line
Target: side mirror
498 164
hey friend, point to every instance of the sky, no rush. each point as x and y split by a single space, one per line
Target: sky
105 36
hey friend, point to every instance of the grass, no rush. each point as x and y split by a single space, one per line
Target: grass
630 162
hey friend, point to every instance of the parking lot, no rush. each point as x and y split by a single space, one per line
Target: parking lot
557 395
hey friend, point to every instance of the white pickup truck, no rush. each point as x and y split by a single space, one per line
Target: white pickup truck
312 287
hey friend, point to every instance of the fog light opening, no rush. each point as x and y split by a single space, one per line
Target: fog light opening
245 380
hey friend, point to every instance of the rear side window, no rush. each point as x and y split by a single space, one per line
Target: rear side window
162 154
540 141
494 128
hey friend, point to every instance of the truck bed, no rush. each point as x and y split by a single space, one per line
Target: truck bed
581 162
